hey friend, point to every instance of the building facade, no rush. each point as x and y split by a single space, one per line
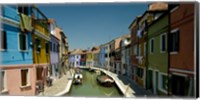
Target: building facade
124 48
17 69
157 48
181 50
102 56
54 56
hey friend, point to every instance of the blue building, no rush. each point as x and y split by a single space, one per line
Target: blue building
16 51
102 56
54 51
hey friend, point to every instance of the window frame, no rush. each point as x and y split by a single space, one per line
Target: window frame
161 43
26 43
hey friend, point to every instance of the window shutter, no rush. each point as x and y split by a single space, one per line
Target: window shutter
23 77
20 41
5 39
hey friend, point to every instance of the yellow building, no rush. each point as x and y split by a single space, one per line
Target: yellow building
40 44
89 59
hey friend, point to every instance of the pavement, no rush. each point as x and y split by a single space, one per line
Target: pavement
139 91
58 86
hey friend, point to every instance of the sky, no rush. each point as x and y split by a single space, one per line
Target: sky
93 24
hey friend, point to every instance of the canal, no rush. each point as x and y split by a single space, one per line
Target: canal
90 87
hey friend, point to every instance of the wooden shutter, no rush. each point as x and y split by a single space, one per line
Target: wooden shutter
24 74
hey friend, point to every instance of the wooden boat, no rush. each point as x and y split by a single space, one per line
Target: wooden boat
105 80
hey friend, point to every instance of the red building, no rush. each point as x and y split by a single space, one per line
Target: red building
134 43
181 50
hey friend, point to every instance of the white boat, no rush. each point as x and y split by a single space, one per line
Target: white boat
78 77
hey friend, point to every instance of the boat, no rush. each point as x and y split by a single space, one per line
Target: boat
105 80
78 77
91 70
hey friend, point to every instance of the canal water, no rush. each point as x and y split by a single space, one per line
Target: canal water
90 87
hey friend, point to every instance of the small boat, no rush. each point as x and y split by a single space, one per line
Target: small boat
91 70
78 77
105 80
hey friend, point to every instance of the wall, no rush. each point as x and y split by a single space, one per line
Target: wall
13 78
184 59
41 57
54 55
12 55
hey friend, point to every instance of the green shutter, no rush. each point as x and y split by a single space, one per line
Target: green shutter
22 41
3 40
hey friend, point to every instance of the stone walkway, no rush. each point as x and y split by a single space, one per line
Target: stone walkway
57 86
139 91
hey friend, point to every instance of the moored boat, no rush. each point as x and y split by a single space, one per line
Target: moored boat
78 77
105 80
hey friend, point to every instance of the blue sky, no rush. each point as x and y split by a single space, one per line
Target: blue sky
87 25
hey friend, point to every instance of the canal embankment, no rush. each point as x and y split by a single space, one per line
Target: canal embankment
60 86
125 89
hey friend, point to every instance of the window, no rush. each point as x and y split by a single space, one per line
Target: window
24 77
47 48
22 41
135 49
2 81
163 82
38 45
39 73
163 42
151 45
23 9
106 55
54 45
140 72
3 39
57 48
174 41
50 46
139 50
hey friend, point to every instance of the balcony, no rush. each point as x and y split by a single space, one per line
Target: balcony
41 27
39 21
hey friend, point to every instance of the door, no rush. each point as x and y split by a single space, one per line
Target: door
178 84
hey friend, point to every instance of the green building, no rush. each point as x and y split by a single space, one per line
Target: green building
157 74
